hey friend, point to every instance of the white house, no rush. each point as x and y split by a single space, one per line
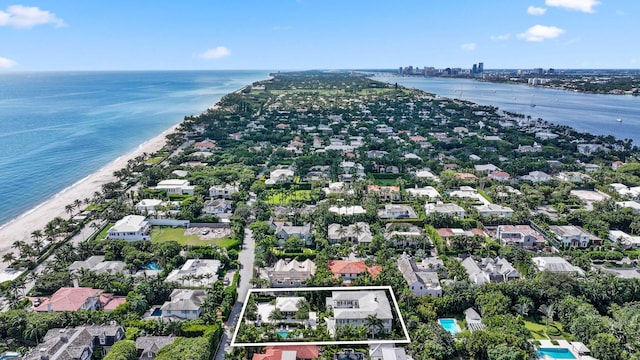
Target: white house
495 210
536 176
148 205
634 205
222 191
445 209
520 235
357 233
184 304
347 210
403 234
489 270
285 230
279 176
626 239
176 187
427 191
217 206
570 235
353 308
555 264
291 273
130 227
397 211
196 272
420 282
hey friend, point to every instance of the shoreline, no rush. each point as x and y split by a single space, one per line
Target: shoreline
21 227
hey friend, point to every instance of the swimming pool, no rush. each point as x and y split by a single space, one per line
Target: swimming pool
156 312
9 355
283 334
555 353
449 325
152 266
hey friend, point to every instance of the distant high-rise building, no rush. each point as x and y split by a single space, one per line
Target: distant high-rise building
474 70
400 70
480 67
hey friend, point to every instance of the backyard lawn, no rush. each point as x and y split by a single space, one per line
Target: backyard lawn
277 198
539 330
162 234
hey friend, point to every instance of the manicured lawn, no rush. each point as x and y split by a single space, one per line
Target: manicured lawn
277 198
537 330
103 233
162 234
155 160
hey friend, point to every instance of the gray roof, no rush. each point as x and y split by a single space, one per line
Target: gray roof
153 343
184 299
369 303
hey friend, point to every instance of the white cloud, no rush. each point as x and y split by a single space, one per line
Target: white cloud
25 17
6 63
216 53
579 5
539 33
532 10
468 46
500 37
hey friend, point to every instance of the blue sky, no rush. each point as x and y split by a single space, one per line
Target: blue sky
316 34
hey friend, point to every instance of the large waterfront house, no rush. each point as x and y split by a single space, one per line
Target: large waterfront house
130 227
354 307
284 230
176 187
495 210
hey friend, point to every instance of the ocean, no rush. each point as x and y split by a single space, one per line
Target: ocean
56 128
592 113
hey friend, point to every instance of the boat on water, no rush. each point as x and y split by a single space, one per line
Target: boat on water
619 120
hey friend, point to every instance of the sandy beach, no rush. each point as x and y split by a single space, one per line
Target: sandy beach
21 227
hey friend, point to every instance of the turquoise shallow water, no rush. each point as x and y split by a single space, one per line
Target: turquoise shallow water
58 127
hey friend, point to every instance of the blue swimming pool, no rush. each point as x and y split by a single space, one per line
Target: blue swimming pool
156 312
449 325
152 266
283 334
9 355
555 353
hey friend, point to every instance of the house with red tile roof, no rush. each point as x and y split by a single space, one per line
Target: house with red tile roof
79 298
205 145
301 352
348 270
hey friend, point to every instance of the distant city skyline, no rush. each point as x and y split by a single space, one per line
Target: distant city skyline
315 34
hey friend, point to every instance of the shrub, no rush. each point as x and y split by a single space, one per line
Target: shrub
123 350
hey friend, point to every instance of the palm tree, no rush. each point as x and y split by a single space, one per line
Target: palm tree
8 258
521 308
68 209
548 311
77 203
374 324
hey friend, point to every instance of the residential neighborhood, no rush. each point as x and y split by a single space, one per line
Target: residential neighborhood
458 226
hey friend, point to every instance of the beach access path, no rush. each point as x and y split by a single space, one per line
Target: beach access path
21 227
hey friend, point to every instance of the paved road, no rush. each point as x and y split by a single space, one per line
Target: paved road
245 258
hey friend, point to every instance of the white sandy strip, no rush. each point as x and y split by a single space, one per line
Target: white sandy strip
21 227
